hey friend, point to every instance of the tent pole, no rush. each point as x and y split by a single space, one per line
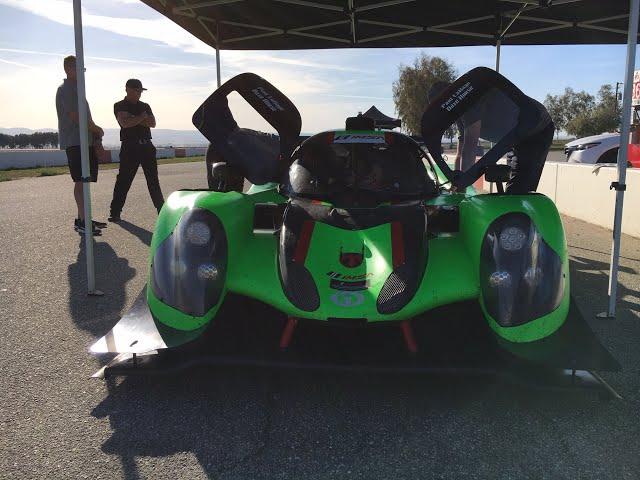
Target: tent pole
632 38
218 54
498 43
84 147
218 65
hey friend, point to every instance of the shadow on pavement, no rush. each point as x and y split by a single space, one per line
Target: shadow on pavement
143 234
250 423
590 282
244 423
622 257
98 314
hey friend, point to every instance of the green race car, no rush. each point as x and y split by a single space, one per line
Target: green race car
360 228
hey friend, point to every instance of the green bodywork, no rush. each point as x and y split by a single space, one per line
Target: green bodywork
451 274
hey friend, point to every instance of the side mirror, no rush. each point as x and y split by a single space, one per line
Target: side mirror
225 178
498 174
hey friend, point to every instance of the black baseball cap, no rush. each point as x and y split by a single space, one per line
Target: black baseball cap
134 83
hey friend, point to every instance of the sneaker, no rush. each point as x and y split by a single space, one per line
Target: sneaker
114 218
78 226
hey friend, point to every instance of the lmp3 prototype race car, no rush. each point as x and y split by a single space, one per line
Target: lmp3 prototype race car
361 228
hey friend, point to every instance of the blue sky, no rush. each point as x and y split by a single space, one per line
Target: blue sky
125 38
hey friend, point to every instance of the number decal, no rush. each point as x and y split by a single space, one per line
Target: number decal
347 299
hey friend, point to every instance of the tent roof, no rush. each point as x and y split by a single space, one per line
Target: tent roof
380 119
302 24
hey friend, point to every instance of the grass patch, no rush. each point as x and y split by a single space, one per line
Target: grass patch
18 173
48 172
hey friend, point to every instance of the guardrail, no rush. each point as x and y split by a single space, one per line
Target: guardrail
52 158
576 189
582 191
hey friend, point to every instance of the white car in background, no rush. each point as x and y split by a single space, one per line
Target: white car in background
601 148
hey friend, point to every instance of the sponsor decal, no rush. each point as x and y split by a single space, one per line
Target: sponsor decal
348 286
459 95
347 299
267 99
340 281
358 138
342 276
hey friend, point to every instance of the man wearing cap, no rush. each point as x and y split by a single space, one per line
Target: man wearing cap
136 120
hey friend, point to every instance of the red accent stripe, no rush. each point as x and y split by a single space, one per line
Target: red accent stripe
397 244
409 339
287 332
303 242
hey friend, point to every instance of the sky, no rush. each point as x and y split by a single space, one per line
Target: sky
125 38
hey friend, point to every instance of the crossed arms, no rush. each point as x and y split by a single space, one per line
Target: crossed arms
127 120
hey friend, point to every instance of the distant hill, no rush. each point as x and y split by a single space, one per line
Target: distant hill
161 136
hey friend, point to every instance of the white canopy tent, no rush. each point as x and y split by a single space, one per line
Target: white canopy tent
304 24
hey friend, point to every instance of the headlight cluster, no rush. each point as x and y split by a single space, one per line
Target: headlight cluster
189 266
520 275
587 146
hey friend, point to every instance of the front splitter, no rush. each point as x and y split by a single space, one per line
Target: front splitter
452 340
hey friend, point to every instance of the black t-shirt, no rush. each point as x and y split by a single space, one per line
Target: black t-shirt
137 132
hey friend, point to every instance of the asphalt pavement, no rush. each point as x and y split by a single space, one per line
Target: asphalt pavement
224 423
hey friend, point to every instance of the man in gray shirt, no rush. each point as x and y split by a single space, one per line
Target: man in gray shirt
69 138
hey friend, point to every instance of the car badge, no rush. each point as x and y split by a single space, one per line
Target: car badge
351 259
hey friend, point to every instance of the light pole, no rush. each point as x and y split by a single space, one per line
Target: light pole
617 97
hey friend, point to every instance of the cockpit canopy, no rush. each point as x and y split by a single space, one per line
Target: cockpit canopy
359 168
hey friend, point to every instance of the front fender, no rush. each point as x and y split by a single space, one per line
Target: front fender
230 216
478 213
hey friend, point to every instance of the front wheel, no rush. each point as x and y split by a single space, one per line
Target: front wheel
610 156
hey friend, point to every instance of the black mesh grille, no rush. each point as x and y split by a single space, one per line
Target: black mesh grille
394 294
300 287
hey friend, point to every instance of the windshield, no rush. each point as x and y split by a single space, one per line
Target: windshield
349 167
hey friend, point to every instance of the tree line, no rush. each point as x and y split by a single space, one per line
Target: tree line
582 114
577 113
29 140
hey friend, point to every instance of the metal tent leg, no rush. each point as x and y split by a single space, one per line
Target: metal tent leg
620 186
606 385
84 148
218 54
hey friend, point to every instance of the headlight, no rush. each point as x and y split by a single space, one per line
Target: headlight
587 146
520 275
189 266
512 239
198 233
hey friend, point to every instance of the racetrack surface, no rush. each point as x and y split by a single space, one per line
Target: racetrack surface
236 423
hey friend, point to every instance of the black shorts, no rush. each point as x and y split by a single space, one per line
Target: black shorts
75 165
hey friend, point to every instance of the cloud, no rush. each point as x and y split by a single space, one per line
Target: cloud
160 30
17 64
31 52
111 59
358 96
291 61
